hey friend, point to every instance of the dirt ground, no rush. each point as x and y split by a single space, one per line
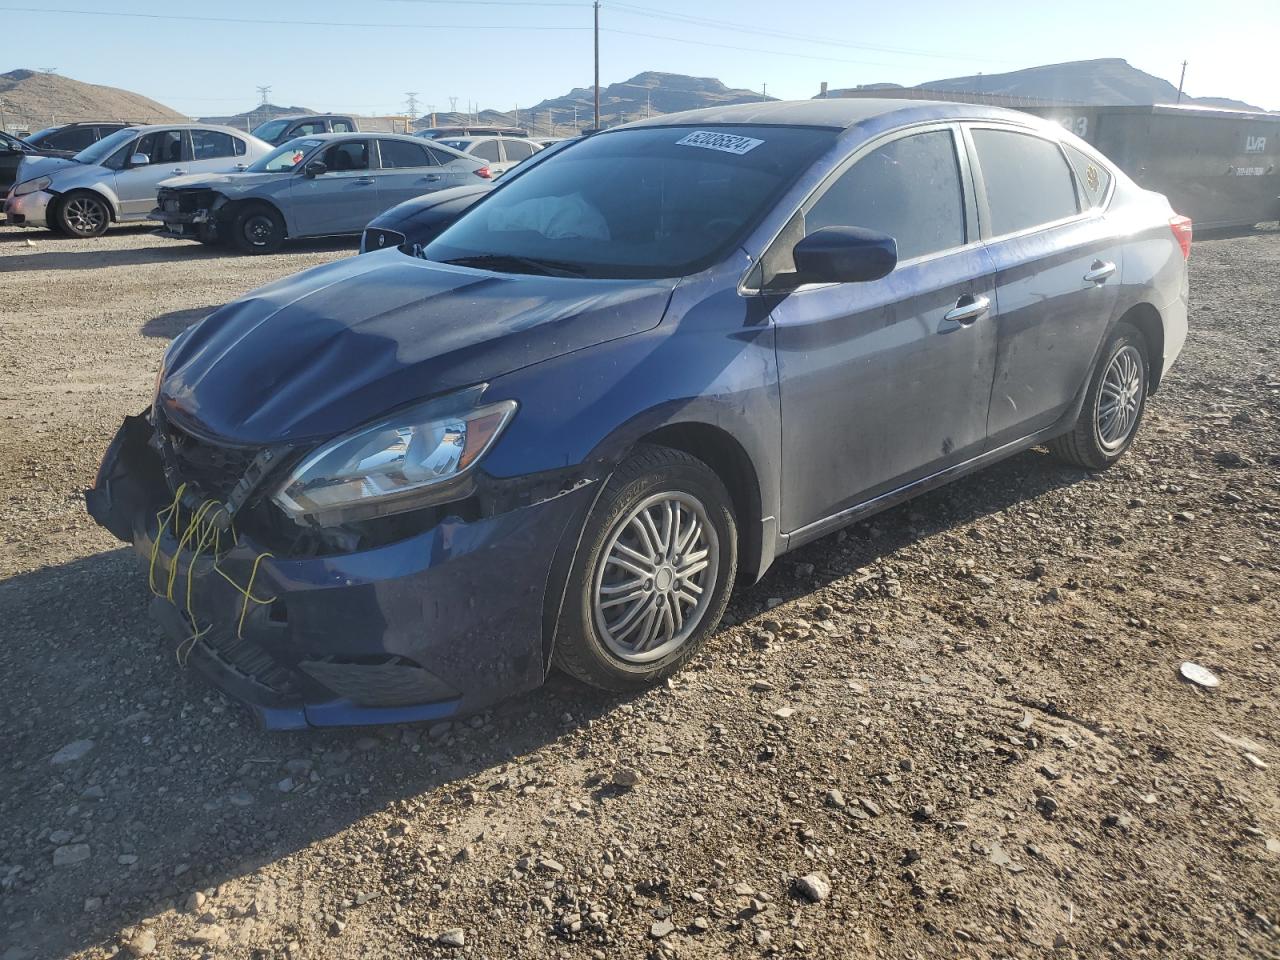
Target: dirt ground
965 714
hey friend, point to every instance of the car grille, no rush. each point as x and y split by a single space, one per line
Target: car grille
376 239
388 681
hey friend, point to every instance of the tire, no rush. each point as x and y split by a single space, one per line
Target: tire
1102 433
83 214
615 643
257 228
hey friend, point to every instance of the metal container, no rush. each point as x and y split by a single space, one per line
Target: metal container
1221 168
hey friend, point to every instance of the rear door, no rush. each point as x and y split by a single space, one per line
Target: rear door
167 153
885 382
343 198
408 170
215 151
514 151
488 151
1057 275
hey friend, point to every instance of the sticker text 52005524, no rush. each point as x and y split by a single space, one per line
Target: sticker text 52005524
724 142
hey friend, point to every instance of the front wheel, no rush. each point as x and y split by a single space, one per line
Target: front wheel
83 215
257 229
653 573
1114 405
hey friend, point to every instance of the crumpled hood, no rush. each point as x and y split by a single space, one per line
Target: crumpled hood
331 348
226 183
32 167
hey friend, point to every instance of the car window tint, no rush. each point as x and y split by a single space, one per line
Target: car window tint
1027 180
517 150
486 150
1092 176
909 189
308 129
342 126
442 156
398 153
163 146
348 155
211 144
76 138
240 147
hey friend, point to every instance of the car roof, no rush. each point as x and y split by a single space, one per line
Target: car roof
328 135
308 116
148 127
836 113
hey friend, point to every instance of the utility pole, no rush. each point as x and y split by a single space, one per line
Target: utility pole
764 90
453 104
413 103
1181 79
648 94
596 6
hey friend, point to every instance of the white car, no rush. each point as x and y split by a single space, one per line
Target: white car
500 154
115 179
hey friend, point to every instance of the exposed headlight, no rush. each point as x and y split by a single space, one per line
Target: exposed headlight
31 186
420 455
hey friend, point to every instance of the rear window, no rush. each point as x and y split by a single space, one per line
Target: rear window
1027 180
486 150
398 153
1093 177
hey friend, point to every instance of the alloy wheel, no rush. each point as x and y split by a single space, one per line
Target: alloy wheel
84 216
655 577
1119 398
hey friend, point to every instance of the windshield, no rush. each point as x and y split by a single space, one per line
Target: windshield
284 157
270 130
460 145
647 202
98 152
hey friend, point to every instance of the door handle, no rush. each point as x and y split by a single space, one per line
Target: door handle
431 177
968 309
1099 270
178 172
364 180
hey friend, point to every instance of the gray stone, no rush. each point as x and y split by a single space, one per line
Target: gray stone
71 752
814 887
452 938
661 928
143 944
70 853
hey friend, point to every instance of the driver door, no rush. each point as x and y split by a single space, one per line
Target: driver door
342 199
888 381
167 152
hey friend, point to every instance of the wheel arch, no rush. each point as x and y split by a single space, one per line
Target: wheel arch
103 195
1146 318
229 210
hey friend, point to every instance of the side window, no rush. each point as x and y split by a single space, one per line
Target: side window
163 146
211 144
308 129
348 155
77 138
909 189
240 147
398 153
517 150
1027 180
342 126
486 150
441 157
1092 176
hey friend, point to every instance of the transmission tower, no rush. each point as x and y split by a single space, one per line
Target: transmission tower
263 93
413 103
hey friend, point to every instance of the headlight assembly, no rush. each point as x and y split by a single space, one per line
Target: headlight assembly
421 455
31 186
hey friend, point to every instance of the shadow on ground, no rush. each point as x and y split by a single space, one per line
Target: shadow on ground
169 325
181 792
50 257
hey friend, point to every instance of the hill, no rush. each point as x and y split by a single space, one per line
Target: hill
1110 81
31 100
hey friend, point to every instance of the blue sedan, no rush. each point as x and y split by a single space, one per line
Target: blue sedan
407 484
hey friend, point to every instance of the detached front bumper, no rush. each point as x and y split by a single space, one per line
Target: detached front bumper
446 621
29 210
195 225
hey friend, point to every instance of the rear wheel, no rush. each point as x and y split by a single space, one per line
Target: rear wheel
83 215
1113 408
257 229
653 574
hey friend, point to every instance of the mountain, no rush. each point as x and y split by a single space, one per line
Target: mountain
1110 81
645 94
31 100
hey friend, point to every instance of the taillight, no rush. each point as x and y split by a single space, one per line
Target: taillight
1181 227
487 174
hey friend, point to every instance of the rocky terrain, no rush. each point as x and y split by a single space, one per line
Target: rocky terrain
34 99
956 730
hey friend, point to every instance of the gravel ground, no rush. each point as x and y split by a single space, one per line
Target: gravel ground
956 730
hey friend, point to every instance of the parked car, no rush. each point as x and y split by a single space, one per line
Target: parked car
329 184
560 432
499 153
419 220
280 130
13 151
115 179
477 130
75 136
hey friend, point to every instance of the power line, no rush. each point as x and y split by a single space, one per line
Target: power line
287 23
728 46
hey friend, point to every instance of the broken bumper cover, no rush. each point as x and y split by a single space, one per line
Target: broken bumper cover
29 210
446 621
197 225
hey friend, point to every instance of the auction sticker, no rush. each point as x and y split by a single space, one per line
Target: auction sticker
724 142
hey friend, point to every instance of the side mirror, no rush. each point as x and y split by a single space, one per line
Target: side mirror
314 168
844 255
139 160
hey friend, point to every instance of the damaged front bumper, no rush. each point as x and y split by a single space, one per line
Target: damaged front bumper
188 214
29 210
445 621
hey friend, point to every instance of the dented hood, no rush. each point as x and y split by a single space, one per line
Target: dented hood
332 348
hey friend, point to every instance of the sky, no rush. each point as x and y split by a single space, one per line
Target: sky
365 57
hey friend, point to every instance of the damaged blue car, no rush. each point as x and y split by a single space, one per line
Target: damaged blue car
404 485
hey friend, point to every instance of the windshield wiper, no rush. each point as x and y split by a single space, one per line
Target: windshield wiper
507 262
